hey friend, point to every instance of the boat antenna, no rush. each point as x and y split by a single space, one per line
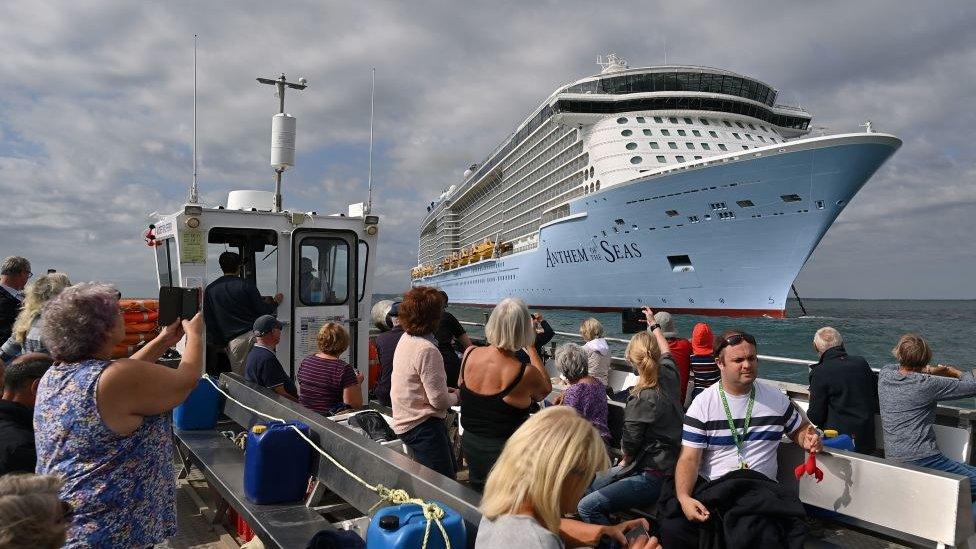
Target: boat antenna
369 177
282 133
194 195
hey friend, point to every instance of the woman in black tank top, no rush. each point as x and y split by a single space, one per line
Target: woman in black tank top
488 415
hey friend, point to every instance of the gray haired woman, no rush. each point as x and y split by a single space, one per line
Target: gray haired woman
31 514
101 424
585 393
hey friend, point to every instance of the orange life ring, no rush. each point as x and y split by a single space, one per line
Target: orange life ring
123 351
135 339
137 305
140 327
140 316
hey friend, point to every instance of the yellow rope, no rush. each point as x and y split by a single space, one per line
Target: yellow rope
396 496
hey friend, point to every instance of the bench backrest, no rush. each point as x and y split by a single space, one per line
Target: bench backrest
909 501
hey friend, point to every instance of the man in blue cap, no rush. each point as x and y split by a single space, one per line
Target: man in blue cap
262 365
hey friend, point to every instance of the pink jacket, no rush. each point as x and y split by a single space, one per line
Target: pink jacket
418 387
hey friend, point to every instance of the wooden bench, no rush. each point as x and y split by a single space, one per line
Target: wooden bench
222 463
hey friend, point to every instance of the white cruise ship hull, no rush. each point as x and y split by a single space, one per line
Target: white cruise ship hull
686 241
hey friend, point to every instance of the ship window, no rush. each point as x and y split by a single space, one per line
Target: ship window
631 146
737 124
662 160
673 120
751 127
640 119
727 123
703 121
680 263
688 121
672 144
773 139
717 205
735 135
591 187
654 145
647 132
723 147
749 137
618 221
713 134
163 263
626 133
665 132
762 127
693 218
636 160
690 145
706 147
591 171
820 204
761 138
586 174
682 132
698 158
745 203
696 133
658 119
679 158
598 186
621 120
745 147
790 197
672 213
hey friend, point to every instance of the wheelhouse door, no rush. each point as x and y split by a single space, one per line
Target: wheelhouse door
324 289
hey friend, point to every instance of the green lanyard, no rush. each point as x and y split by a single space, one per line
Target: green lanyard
736 438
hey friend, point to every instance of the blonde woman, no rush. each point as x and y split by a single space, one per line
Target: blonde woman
497 389
31 512
652 432
26 336
538 478
597 349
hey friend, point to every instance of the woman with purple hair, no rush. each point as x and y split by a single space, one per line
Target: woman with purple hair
101 424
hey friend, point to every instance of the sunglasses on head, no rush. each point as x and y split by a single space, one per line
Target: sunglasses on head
734 340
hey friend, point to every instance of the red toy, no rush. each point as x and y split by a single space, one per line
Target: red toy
809 468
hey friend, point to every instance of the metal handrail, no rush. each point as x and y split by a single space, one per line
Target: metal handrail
769 358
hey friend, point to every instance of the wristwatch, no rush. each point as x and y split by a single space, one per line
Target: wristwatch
653 327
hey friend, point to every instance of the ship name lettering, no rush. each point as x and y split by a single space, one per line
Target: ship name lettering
559 257
613 252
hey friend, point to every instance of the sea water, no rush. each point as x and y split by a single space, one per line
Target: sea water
870 328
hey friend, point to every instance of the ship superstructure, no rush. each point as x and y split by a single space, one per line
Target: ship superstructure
645 179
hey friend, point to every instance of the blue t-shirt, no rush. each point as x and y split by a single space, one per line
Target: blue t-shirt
262 367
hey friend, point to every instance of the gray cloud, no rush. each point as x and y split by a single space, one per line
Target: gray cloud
95 119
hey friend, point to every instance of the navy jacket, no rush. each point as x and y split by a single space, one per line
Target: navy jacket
17 452
844 396
9 308
386 344
230 307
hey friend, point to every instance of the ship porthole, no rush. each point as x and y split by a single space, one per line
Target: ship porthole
626 133
621 120
636 160
631 146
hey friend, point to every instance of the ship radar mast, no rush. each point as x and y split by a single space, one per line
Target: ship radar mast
613 63
283 128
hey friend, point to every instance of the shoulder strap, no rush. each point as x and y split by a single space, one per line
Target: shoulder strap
464 359
514 382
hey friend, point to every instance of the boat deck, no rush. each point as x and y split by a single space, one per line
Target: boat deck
194 509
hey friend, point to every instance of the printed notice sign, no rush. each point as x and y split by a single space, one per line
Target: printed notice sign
192 248
306 339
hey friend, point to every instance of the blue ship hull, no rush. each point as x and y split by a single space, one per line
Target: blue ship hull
687 241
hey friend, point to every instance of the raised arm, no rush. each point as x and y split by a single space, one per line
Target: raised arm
134 387
951 382
662 342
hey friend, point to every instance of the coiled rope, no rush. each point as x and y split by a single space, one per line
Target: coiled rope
433 513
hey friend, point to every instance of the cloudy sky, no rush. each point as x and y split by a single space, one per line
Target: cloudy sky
96 114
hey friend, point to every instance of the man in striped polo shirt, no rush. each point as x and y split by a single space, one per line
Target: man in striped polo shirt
733 425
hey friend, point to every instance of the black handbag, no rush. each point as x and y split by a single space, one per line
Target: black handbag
373 424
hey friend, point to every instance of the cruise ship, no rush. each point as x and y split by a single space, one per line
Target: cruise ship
684 188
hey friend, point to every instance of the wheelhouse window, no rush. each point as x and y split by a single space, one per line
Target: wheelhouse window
164 264
323 271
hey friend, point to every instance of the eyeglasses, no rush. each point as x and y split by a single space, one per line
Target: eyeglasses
734 340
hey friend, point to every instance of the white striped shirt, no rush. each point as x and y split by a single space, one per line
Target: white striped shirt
707 427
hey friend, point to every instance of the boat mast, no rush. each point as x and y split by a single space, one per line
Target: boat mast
285 134
369 178
194 195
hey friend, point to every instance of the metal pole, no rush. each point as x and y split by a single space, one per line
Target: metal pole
277 195
369 179
280 84
193 185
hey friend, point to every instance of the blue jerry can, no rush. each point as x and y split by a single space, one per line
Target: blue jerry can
840 442
277 463
200 409
402 526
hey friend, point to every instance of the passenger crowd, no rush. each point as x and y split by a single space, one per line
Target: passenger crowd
689 436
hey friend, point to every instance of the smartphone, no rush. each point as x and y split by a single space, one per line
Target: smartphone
176 302
632 321
636 533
